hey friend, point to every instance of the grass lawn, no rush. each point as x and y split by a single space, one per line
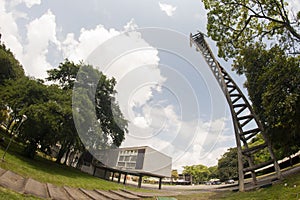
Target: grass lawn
11 195
45 170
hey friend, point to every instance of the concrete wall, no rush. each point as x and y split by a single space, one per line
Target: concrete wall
157 162
108 157
87 169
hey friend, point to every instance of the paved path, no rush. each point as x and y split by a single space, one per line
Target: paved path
13 181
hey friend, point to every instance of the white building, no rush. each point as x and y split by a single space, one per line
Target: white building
138 161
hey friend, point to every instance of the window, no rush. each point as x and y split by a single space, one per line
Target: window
127 159
121 164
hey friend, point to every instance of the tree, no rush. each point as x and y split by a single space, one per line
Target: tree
65 74
174 175
30 97
235 24
228 165
199 173
10 67
273 81
93 91
213 172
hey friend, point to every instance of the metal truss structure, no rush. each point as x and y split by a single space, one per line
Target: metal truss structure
246 124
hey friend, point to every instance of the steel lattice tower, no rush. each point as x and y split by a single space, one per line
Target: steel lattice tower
246 123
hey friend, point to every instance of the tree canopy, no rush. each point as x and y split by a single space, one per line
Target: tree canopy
235 24
50 117
10 66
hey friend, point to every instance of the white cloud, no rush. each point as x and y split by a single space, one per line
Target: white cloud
294 7
10 33
88 40
130 26
167 8
28 3
40 32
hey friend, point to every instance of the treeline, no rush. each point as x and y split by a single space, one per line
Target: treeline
48 107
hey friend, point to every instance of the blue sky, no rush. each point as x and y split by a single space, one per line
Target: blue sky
165 89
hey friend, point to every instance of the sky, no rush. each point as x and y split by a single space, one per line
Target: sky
165 89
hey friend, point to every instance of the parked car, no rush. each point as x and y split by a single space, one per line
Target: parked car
230 181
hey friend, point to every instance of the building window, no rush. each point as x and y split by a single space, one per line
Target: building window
127 159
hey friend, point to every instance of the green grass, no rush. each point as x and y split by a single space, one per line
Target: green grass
45 170
6 194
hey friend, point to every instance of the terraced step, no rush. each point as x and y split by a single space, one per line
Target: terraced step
93 194
125 194
76 194
139 194
36 188
2 171
109 195
152 194
12 181
56 192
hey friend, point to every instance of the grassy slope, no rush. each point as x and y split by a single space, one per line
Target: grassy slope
8 194
278 191
44 170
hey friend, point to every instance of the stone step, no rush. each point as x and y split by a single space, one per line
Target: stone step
12 181
2 171
139 194
109 195
36 188
125 194
152 194
93 194
57 193
76 194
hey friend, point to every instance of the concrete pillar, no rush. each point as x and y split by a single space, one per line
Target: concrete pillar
125 177
119 177
140 181
160 180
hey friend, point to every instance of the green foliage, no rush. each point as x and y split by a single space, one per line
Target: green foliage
235 24
199 173
65 74
10 68
93 91
273 81
174 174
228 165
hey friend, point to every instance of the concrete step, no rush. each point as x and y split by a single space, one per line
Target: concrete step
57 193
12 181
109 195
76 194
36 188
2 171
139 194
152 194
125 194
93 194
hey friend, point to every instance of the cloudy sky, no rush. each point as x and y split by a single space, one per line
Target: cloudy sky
165 89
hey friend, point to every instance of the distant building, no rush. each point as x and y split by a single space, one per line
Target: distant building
138 161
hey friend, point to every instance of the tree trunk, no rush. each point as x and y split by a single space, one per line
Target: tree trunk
67 155
60 154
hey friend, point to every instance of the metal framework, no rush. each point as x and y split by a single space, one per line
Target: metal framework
246 123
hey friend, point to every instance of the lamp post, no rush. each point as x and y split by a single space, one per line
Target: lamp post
24 118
